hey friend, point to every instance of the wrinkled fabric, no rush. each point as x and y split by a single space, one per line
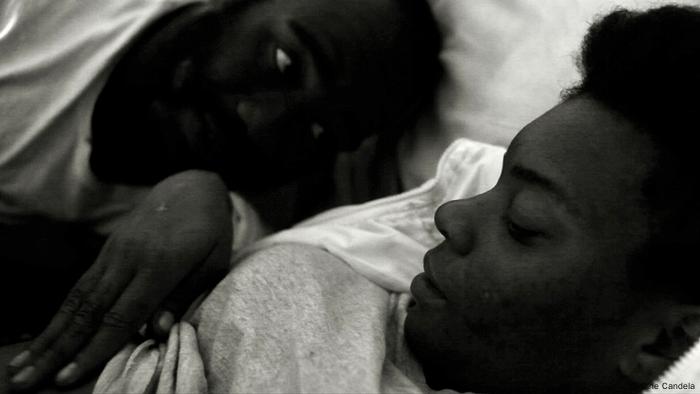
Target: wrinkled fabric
403 224
293 319
320 307
56 56
152 367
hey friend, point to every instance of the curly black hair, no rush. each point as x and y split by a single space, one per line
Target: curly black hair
646 66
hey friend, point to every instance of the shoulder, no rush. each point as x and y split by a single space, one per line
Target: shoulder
292 263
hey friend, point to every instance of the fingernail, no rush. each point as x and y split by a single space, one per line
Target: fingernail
20 359
165 321
67 374
24 375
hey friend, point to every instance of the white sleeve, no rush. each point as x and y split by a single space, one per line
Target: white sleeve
384 240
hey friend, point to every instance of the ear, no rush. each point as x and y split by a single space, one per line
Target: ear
663 346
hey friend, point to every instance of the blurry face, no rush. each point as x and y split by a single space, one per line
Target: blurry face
530 287
260 77
268 83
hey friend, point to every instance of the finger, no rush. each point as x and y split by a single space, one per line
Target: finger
179 300
117 327
71 304
78 330
161 323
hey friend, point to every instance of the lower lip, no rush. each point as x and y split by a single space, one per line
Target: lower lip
424 291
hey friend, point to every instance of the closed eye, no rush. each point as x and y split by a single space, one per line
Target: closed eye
520 233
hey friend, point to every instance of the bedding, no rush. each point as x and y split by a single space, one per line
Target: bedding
293 319
506 62
322 315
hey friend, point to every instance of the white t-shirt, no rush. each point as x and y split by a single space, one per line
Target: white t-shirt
56 56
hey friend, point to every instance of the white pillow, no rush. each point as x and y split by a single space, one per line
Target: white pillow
506 62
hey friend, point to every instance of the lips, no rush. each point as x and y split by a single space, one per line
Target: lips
423 286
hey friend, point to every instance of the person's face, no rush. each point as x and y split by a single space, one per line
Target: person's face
530 288
272 82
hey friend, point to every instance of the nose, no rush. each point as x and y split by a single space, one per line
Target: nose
455 221
260 112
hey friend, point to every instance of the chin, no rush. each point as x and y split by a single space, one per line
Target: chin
436 380
439 373
445 364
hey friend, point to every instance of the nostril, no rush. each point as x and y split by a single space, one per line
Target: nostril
441 228
442 219
453 221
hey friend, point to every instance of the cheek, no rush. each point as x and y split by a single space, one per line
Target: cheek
503 292
437 335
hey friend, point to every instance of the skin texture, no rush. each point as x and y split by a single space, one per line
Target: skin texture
175 244
535 270
257 93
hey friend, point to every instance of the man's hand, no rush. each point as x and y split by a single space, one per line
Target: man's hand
174 245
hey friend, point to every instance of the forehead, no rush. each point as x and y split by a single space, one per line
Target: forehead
349 33
359 12
593 153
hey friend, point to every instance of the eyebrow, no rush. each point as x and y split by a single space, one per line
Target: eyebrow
533 177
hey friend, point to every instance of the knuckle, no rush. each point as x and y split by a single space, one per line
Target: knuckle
73 301
85 318
118 321
90 307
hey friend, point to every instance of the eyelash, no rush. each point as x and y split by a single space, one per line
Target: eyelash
521 234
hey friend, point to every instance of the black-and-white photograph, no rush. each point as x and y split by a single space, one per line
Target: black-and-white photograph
349 196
